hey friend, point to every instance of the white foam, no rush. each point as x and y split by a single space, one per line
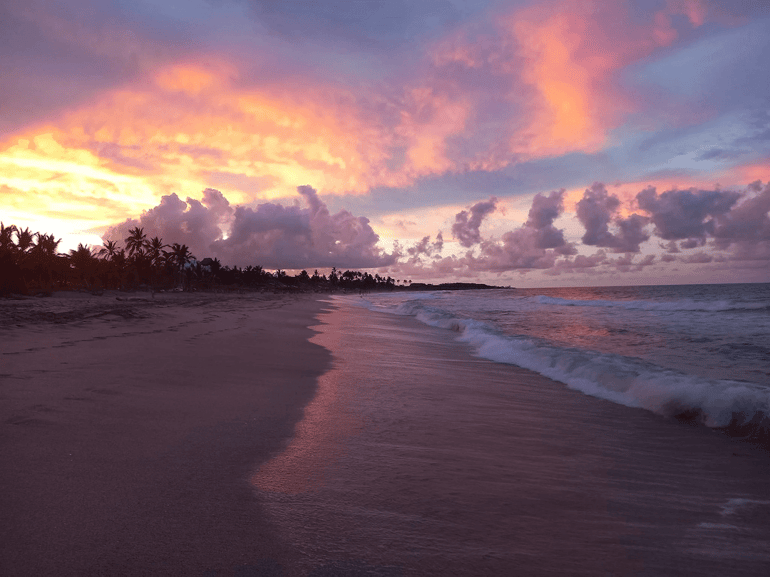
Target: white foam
623 380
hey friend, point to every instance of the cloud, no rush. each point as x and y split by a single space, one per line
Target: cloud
272 235
745 230
194 223
467 222
535 245
749 220
597 210
685 214
366 24
426 248
276 236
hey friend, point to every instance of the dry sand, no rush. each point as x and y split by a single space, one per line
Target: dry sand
131 426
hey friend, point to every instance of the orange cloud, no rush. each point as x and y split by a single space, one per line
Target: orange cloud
189 126
572 52
571 112
744 174
427 121
190 120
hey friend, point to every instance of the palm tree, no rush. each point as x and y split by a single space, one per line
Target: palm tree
83 261
136 242
180 254
155 250
108 251
6 238
25 239
10 273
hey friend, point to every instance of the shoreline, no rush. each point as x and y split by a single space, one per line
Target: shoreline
420 458
131 429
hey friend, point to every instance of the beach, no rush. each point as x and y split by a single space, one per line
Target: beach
130 428
307 435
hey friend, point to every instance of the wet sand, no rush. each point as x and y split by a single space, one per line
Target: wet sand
216 435
416 458
131 426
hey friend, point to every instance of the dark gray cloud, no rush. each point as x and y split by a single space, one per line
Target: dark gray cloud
745 230
747 221
467 222
597 210
685 214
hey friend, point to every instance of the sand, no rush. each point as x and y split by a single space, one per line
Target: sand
132 424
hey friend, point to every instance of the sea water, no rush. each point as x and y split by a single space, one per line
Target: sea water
530 433
701 351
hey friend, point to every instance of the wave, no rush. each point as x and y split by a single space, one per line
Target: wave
740 406
677 305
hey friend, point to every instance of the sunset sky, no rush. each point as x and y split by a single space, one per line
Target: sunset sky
520 142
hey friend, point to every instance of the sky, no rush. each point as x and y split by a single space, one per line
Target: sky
527 143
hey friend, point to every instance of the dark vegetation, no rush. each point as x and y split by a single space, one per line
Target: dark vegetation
31 264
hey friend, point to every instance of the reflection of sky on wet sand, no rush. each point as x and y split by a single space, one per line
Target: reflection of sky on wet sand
416 458
319 437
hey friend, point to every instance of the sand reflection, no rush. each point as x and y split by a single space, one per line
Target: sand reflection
320 437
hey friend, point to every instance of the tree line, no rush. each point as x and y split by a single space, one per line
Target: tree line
30 263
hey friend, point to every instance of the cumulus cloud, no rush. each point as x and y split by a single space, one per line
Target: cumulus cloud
272 235
535 245
749 220
427 248
467 222
745 230
579 263
298 237
194 223
723 226
685 214
597 210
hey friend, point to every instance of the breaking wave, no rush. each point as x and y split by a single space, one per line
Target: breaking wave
739 406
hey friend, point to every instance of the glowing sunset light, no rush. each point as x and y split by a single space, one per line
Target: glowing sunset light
513 102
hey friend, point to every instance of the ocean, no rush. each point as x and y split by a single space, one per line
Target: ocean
694 351
582 431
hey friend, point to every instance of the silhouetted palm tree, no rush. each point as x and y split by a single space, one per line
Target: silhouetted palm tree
180 254
25 239
136 242
155 250
6 237
107 252
84 264
10 272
